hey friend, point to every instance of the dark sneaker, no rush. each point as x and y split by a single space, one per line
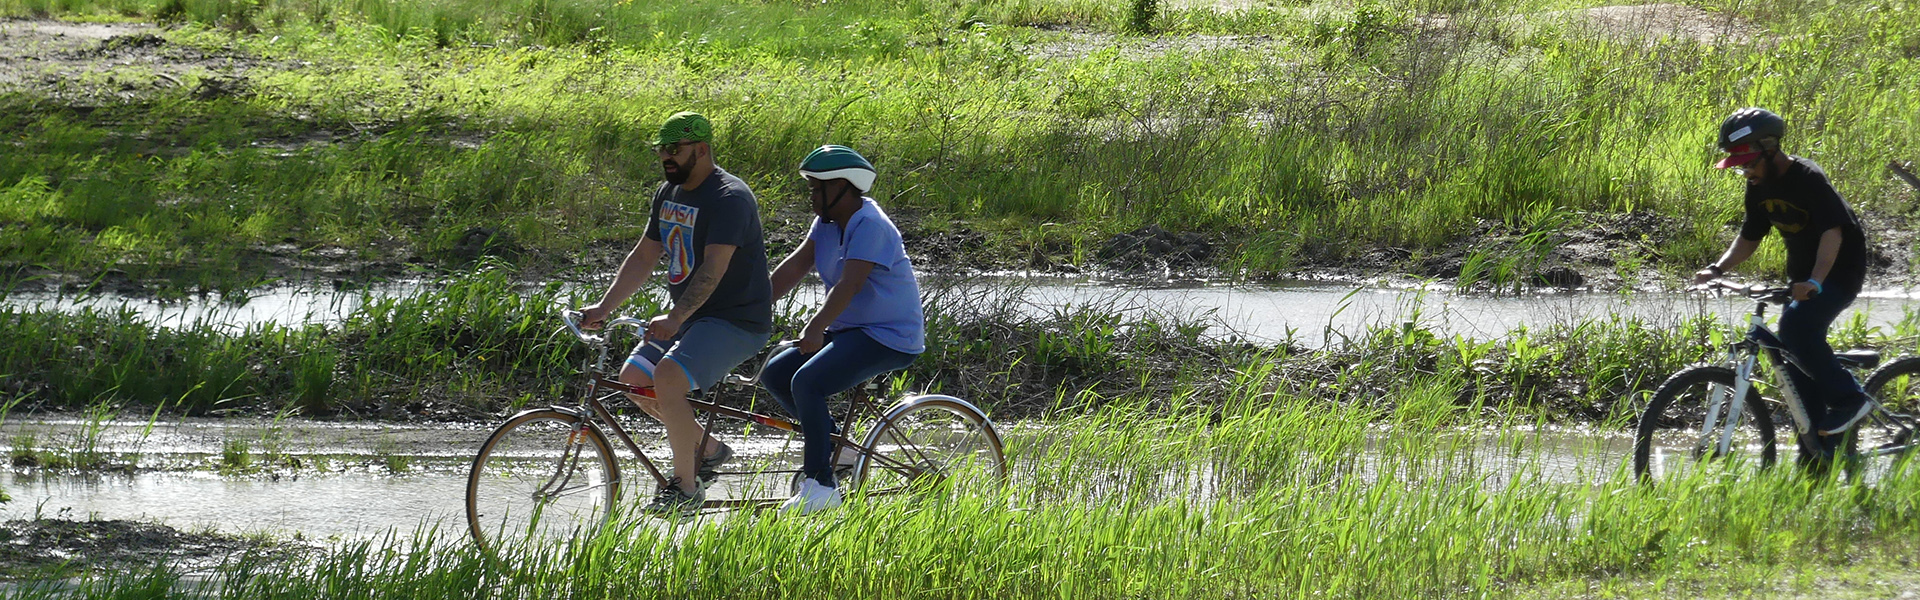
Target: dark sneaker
1842 418
671 501
709 468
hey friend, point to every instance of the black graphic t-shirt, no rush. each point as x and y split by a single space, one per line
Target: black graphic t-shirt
721 211
1802 204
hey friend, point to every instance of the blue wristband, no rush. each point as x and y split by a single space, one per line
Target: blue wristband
1816 286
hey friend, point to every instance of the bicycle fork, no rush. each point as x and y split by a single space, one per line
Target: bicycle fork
564 468
1716 436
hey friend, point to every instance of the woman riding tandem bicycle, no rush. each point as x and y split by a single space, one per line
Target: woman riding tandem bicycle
553 472
870 323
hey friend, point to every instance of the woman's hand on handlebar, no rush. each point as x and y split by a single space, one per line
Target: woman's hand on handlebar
663 327
811 341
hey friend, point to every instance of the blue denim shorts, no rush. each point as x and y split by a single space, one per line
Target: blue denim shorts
706 350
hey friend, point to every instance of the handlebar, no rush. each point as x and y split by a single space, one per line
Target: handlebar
738 379
572 319
1757 292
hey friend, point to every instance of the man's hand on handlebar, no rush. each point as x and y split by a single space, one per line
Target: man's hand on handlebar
592 317
1802 290
1701 277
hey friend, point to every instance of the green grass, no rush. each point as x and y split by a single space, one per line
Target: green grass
1267 495
1353 127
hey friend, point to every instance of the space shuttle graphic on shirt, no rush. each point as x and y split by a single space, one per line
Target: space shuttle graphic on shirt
676 233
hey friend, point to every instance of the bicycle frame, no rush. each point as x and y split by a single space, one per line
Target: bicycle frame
603 388
1744 357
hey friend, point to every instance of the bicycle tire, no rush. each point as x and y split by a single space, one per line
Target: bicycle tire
509 488
932 442
1896 386
1680 404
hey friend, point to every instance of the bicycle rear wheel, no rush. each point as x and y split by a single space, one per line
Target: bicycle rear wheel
1672 439
1896 386
937 444
544 474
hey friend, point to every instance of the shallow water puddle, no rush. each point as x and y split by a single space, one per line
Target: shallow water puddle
356 494
1303 313
323 480
352 480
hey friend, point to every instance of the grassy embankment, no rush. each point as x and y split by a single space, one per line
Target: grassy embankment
421 135
478 347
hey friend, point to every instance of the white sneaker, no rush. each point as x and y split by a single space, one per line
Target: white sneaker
812 498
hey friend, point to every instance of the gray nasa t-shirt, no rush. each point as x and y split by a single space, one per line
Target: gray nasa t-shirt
721 211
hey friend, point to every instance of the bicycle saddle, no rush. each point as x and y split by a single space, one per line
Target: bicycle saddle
1863 359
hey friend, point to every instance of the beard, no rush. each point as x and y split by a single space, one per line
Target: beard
677 174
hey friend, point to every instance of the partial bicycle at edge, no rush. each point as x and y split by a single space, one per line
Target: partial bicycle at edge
1715 412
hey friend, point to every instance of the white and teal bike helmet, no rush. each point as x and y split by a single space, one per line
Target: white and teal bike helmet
834 161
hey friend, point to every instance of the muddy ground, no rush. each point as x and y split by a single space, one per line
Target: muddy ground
57 548
86 65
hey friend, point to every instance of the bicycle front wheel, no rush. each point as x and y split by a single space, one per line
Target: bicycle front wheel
543 475
1675 438
932 443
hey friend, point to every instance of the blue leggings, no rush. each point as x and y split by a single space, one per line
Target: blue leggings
1803 330
802 383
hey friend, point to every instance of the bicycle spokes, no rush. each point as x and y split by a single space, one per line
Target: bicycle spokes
931 447
542 475
566 467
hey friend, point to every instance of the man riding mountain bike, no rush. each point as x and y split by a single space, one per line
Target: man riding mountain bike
1826 260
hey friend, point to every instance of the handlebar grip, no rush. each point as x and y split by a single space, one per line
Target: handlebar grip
572 319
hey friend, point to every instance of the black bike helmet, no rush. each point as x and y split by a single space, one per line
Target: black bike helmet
1748 134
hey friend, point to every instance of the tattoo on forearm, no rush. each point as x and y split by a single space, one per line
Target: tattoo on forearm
704 281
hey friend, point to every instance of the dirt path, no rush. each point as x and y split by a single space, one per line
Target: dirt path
87 64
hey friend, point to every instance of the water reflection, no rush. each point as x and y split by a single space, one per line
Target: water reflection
1303 313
